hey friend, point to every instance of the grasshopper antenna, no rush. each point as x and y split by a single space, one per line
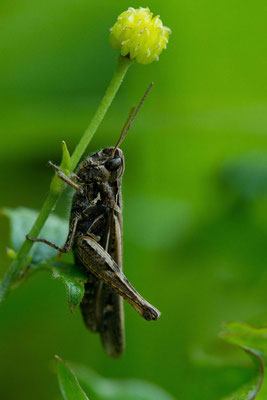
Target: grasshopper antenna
131 117
124 127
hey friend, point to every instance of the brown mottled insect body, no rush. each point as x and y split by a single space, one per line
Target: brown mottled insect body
95 236
100 205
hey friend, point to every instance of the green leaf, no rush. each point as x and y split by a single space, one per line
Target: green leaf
111 389
99 388
55 230
21 221
254 342
57 184
72 278
247 336
246 392
65 163
68 383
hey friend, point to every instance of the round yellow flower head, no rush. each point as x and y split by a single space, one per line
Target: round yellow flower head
139 36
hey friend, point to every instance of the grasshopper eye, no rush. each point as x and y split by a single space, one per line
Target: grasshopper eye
114 164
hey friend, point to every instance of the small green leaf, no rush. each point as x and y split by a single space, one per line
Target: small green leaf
72 278
111 389
65 163
99 388
55 230
254 342
246 392
244 335
11 254
68 383
57 184
21 221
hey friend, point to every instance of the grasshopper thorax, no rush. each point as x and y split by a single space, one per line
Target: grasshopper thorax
105 165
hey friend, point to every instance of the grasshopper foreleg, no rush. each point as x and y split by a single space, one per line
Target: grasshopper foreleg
100 263
65 178
69 241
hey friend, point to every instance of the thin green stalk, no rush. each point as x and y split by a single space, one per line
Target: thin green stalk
18 265
122 67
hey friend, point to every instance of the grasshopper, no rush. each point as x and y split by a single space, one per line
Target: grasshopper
95 236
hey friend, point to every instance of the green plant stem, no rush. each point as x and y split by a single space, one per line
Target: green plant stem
122 67
17 265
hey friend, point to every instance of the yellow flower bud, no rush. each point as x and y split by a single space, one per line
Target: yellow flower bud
139 36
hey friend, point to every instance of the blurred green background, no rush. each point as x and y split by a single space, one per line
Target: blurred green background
195 186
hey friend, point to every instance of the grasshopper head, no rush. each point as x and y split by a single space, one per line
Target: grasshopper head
108 164
105 165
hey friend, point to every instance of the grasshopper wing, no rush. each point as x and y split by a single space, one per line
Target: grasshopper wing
112 321
101 307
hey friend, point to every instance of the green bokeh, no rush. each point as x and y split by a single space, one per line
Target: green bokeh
195 244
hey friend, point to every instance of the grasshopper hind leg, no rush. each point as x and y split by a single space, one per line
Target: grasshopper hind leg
102 311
